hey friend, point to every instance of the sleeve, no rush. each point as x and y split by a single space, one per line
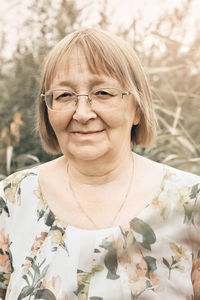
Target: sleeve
5 256
195 236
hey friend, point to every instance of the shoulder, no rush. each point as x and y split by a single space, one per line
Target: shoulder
179 177
10 187
158 174
180 189
173 183
178 194
175 174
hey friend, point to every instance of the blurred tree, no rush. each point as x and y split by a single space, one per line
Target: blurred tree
172 65
48 24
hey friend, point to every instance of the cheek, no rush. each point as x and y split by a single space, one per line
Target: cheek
113 119
122 119
132 113
59 121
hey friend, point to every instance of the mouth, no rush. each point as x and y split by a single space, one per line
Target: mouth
85 135
87 132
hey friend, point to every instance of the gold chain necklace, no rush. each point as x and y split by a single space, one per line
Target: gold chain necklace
118 211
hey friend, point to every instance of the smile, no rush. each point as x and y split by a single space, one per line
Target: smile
86 134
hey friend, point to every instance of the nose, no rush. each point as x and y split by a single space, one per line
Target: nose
84 111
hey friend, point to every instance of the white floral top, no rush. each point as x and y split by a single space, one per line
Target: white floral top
156 257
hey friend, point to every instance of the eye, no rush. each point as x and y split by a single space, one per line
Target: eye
104 93
63 95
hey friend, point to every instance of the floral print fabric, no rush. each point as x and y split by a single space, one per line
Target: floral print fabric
156 257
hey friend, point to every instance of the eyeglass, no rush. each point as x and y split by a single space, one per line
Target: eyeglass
99 99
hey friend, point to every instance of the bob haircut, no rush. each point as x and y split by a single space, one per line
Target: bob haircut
105 54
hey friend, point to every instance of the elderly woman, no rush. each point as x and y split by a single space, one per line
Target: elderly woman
100 222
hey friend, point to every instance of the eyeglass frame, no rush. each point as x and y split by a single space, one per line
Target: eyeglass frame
43 95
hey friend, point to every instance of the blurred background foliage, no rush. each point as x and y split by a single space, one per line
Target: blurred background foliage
172 66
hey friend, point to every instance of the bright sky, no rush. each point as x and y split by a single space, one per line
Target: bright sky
121 13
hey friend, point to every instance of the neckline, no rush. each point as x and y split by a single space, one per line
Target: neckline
41 198
93 231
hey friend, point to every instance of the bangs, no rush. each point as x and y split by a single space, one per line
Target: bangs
103 56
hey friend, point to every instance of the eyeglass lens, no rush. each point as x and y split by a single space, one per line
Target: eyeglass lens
102 99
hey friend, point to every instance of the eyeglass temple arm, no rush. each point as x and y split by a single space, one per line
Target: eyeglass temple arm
125 93
42 96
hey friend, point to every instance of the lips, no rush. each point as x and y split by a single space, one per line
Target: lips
87 132
89 135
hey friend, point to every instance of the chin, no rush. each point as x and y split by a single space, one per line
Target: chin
86 153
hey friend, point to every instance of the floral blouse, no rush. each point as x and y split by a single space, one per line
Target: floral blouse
156 257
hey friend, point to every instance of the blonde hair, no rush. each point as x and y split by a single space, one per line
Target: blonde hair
108 54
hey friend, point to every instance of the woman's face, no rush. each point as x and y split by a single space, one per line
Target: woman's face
84 133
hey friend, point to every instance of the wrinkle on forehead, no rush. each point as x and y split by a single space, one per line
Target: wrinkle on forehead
89 80
77 56
78 61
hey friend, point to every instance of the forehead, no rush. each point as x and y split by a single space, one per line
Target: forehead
73 70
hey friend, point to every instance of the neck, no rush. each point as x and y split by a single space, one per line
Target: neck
99 171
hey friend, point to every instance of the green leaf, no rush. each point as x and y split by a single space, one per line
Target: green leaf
44 271
79 271
42 262
166 263
111 264
194 191
45 294
26 291
26 278
7 186
35 267
19 191
40 214
3 286
145 230
151 262
30 275
173 261
2 291
134 297
37 279
49 218
79 289
145 244
106 244
3 207
29 258
10 258
189 214
97 251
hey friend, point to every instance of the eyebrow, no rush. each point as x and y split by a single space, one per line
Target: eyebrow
91 83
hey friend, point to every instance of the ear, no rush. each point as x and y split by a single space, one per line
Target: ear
136 119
